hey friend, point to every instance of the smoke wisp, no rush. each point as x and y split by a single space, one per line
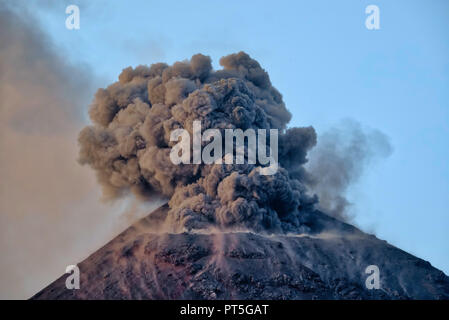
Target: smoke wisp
339 160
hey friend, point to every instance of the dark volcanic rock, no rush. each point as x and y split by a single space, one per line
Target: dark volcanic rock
327 263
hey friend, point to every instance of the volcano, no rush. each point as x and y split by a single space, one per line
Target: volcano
328 262
231 229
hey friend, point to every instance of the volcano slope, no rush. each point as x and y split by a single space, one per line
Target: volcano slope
329 262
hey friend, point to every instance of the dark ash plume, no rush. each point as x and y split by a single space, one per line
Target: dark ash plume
129 147
129 144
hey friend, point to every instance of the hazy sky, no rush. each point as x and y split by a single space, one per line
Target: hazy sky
328 67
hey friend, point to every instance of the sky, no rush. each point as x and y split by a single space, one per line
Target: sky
328 66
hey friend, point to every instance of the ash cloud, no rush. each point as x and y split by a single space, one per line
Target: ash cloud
129 146
129 143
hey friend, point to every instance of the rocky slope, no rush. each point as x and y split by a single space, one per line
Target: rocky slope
328 262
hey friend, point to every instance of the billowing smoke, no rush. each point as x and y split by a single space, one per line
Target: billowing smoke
338 161
129 144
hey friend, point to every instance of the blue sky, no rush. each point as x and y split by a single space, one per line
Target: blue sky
328 67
